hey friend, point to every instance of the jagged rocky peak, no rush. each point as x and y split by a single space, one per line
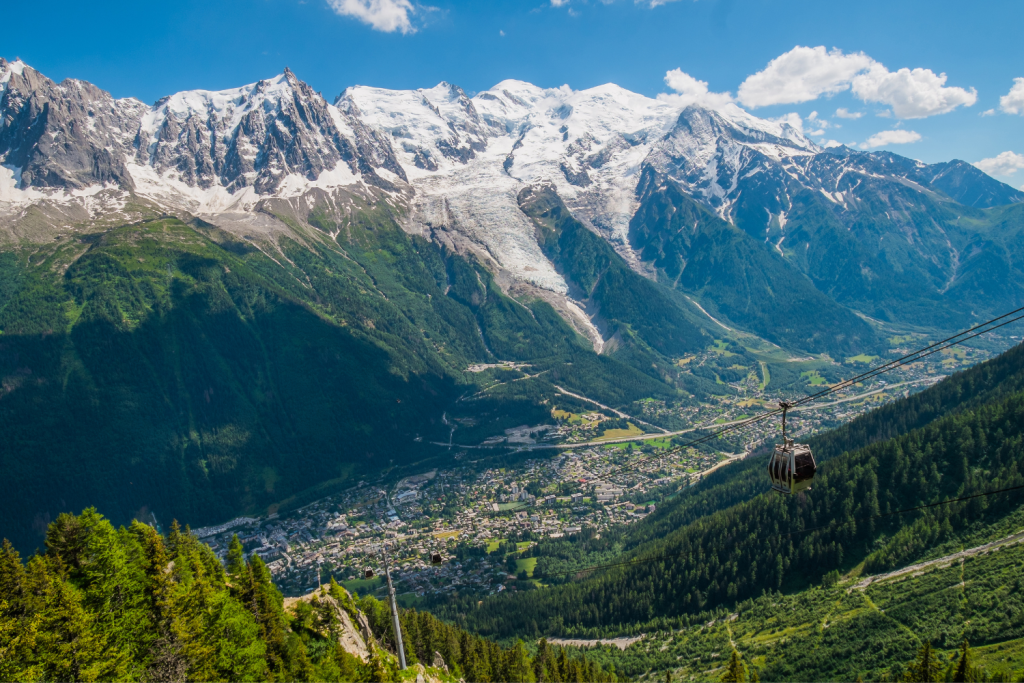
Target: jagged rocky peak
254 136
69 135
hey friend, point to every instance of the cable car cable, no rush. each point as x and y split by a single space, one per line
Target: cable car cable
845 384
906 359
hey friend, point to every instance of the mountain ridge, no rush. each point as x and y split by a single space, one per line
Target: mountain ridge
456 165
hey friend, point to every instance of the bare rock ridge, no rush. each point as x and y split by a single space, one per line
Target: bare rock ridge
68 135
255 136
359 641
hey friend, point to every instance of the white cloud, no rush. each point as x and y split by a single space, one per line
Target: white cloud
845 113
1005 163
559 3
801 75
988 112
501 33
823 124
830 143
793 120
383 15
890 137
1013 101
689 90
912 94
806 73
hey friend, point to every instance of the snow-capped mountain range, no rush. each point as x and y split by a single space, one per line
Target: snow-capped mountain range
453 163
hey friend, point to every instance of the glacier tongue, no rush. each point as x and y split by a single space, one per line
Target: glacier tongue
477 202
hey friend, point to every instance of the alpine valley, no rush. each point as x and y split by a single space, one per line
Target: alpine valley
235 302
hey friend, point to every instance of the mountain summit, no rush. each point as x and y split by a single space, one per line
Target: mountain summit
892 231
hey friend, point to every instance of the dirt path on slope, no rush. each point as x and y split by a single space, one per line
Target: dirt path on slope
920 568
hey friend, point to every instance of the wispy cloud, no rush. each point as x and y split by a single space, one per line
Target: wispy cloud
845 113
890 137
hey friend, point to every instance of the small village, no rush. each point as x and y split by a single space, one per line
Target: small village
578 478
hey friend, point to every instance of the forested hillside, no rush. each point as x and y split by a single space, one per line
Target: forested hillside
729 539
129 604
735 276
906 628
628 304
171 369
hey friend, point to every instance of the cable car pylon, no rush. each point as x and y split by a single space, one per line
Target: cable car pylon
792 467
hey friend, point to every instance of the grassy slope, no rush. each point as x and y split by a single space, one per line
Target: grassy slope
841 632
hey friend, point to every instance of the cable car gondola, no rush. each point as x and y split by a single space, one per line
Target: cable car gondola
435 559
792 466
367 573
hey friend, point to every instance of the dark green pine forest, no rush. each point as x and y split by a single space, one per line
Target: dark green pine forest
128 604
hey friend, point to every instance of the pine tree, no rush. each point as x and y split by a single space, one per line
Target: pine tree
12 579
164 661
963 667
233 635
734 672
66 537
517 664
17 645
236 556
112 571
926 668
70 648
37 584
540 662
301 669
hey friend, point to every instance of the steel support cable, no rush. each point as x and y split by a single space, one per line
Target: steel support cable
845 384
669 556
913 357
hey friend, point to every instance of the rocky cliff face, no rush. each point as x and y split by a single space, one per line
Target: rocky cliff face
67 135
355 636
256 136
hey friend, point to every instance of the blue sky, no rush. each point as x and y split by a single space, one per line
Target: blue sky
148 50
